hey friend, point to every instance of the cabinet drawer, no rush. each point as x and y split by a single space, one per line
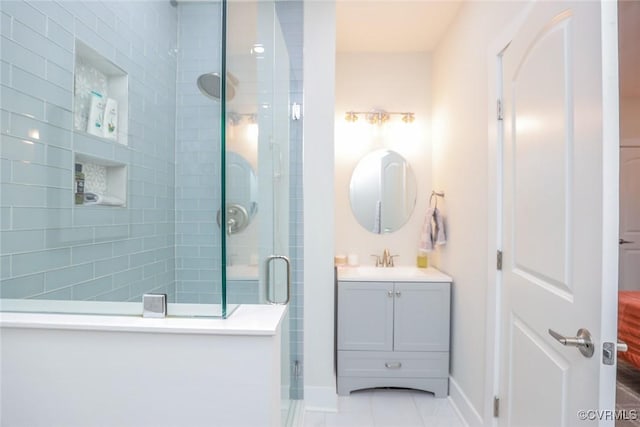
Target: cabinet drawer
393 364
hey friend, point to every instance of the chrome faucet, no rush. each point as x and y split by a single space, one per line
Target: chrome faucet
386 260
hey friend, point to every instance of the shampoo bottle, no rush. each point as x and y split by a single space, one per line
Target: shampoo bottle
110 127
96 114
79 187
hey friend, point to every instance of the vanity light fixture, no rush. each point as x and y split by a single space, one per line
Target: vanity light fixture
408 117
378 117
351 116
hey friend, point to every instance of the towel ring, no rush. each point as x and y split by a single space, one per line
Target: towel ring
436 195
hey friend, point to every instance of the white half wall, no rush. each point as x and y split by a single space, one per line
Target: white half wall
461 150
126 371
318 172
399 82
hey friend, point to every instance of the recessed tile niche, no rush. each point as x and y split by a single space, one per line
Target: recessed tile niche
100 120
105 178
97 77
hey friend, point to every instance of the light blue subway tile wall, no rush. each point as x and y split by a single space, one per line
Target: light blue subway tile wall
51 248
290 15
197 192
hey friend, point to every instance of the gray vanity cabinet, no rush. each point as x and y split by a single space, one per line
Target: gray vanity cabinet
393 334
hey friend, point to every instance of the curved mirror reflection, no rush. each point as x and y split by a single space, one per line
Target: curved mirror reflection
382 191
241 193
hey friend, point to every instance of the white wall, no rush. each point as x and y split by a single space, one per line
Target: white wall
319 86
392 82
461 106
630 121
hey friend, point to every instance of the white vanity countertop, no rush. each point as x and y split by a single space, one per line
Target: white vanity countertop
391 274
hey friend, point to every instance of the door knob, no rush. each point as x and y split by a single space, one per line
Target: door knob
582 341
624 242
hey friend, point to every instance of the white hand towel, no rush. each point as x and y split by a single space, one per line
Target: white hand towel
440 237
426 237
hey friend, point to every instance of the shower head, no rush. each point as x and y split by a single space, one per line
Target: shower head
209 84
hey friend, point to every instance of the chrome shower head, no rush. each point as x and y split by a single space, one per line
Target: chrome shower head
210 86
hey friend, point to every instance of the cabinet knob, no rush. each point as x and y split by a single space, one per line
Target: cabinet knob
398 293
395 365
390 294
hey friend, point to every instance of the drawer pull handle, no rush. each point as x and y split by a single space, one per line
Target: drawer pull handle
396 365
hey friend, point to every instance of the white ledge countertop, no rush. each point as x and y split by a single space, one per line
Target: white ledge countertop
247 319
391 274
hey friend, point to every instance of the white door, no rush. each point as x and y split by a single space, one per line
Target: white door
629 219
560 214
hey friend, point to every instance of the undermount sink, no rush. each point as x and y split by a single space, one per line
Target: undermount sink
391 274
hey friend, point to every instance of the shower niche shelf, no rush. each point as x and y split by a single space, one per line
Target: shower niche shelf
97 77
105 178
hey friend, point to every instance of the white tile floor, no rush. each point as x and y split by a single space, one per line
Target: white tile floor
387 408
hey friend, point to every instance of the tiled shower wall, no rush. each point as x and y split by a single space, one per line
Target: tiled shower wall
198 251
290 14
52 249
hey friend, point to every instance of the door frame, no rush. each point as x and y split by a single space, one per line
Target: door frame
493 342
494 227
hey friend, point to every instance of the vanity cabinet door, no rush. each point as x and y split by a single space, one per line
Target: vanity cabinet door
365 316
421 321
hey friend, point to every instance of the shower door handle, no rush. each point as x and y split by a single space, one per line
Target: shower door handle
268 281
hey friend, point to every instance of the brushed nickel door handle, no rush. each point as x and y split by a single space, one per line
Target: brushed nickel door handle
582 341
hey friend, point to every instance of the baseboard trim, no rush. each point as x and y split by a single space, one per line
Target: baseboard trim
463 406
323 399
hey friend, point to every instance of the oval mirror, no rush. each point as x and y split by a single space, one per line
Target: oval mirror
241 193
382 191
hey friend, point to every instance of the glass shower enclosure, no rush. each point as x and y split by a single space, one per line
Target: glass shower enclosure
258 120
146 148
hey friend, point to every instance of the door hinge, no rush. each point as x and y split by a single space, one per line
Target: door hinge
496 407
499 110
499 260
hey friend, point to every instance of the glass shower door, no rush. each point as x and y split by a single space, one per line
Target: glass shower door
256 141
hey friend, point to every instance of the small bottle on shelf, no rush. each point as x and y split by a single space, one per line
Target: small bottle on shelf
79 187
422 261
